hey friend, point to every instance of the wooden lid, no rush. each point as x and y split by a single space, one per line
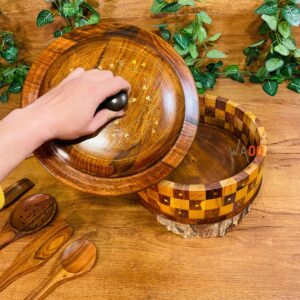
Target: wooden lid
143 147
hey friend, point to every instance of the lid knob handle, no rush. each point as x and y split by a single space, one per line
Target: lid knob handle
114 103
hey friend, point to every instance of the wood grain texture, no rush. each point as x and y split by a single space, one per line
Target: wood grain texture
30 215
76 260
236 19
161 118
37 252
16 190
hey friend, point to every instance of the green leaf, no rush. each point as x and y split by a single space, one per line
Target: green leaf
284 29
68 9
171 7
204 17
215 54
215 37
281 49
289 44
10 54
237 77
231 69
271 21
261 42
44 17
267 9
58 33
292 14
297 53
67 29
189 29
213 67
295 85
270 87
157 6
262 72
80 22
165 33
4 96
181 51
181 40
15 87
189 61
273 64
193 50
295 1
8 38
186 2
201 34
93 19
255 79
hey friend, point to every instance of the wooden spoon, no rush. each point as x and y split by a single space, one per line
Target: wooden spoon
29 216
77 259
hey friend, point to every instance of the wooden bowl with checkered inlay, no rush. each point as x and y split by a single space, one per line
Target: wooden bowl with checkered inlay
222 173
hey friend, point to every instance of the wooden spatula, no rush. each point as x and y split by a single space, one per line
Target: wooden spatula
29 216
77 259
37 252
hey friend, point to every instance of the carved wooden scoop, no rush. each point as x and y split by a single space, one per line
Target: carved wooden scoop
30 215
77 259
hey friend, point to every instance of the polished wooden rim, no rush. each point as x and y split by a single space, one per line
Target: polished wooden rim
158 171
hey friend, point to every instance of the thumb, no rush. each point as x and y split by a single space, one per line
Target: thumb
103 117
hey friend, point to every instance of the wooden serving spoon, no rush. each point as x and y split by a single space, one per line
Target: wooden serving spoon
76 260
29 216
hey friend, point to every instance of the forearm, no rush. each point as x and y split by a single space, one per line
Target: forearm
21 132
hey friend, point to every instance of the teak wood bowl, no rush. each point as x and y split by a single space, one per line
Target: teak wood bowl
140 149
212 183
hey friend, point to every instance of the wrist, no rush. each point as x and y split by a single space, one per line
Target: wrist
33 125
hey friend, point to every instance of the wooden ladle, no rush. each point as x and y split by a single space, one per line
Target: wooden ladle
77 259
29 216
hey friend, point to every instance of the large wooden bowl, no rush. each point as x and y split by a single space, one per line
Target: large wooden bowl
216 180
160 124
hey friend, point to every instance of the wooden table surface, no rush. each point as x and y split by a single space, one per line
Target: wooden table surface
138 258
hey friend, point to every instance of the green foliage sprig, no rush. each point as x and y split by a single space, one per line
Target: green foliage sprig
276 57
75 13
195 45
12 72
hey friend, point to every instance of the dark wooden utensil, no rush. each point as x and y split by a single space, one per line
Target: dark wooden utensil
16 190
76 260
29 216
37 252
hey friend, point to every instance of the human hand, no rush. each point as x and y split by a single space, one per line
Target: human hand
68 110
